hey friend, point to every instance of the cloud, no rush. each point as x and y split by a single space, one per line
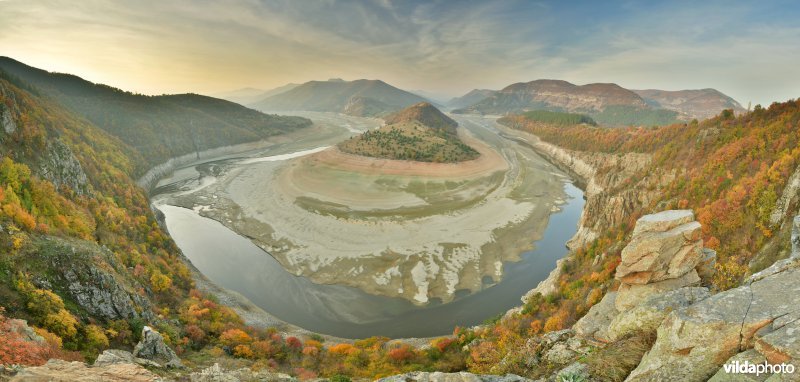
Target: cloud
745 50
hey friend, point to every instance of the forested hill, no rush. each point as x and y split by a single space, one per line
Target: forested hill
158 127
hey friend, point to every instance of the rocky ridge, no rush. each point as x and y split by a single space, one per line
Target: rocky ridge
557 94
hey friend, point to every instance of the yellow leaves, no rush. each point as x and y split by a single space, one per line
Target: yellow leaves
62 323
342 349
160 281
96 338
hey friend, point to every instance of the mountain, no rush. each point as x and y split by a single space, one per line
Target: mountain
608 104
376 98
426 114
419 133
469 99
699 104
556 95
241 96
158 127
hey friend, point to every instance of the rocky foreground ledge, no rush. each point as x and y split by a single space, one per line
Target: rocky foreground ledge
662 275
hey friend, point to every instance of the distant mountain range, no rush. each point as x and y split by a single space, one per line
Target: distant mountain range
160 127
359 98
608 104
247 96
700 104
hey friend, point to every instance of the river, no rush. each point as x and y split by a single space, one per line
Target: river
235 263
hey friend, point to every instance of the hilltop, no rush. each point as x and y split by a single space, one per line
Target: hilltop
359 97
469 99
158 127
420 132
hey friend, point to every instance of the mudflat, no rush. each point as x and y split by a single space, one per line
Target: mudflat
414 230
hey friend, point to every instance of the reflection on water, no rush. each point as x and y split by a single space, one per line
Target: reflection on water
235 263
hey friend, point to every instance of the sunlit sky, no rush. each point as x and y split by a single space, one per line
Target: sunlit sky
749 50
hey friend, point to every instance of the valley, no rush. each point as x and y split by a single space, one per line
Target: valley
454 229
384 191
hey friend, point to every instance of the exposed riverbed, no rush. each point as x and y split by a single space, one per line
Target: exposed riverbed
237 263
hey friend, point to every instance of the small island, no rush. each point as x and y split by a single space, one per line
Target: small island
417 133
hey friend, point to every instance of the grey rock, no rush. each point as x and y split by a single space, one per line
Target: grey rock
218 374
750 356
662 221
694 342
576 372
26 332
419 376
648 315
796 237
152 347
8 112
630 295
79 272
113 356
60 167
706 267
595 322
657 256
779 342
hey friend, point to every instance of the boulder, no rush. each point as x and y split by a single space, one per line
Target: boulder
596 320
419 376
574 372
779 342
706 267
694 342
153 348
26 332
662 221
630 295
795 237
658 256
58 370
114 356
648 315
218 374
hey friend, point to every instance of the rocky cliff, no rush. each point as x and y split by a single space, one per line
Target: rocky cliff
697 332
606 181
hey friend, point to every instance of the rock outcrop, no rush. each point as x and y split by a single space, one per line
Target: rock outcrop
88 275
419 376
57 370
218 374
694 342
152 347
60 167
662 255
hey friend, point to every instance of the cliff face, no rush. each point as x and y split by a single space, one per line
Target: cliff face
607 183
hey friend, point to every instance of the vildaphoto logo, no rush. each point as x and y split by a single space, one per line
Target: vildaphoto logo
747 367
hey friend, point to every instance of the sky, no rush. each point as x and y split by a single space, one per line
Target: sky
749 50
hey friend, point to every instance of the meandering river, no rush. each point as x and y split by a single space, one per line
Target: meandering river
234 262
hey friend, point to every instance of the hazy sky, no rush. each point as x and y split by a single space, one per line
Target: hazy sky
749 50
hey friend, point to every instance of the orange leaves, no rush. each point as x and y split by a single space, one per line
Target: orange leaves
233 337
342 349
401 353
